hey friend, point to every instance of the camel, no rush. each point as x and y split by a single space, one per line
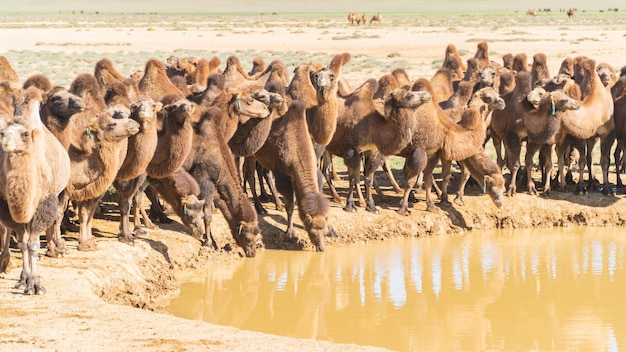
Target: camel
482 55
155 82
35 172
570 13
175 138
212 165
376 18
607 74
7 73
181 191
106 73
294 166
140 151
57 111
487 173
532 13
594 120
365 124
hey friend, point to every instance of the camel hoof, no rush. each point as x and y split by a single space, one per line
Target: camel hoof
431 208
350 208
126 239
90 245
338 200
459 201
403 211
372 209
140 231
280 207
5 265
51 253
290 233
266 198
608 191
580 189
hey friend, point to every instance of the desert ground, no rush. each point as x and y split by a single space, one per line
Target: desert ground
113 299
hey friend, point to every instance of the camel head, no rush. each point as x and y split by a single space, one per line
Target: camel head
495 188
17 139
60 102
275 101
402 98
325 83
563 102
489 97
112 125
246 107
606 73
193 216
247 237
534 96
487 76
145 110
177 110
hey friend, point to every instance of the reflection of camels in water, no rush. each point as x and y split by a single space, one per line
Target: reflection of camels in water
444 293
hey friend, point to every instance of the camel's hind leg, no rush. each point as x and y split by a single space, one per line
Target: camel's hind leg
125 193
428 180
5 254
55 243
249 170
285 187
413 166
370 167
513 147
326 166
269 179
86 210
606 142
352 160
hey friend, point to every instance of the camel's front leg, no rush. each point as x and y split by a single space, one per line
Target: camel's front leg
285 187
413 167
86 210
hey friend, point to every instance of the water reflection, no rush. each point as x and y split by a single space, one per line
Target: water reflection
507 290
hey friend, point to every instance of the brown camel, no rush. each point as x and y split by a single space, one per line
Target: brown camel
482 55
520 63
594 120
212 165
38 80
365 124
507 61
57 111
175 137
7 73
438 137
141 148
35 171
376 18
294 166
484 171
181 191
155 82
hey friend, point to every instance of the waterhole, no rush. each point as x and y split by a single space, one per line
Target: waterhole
541 289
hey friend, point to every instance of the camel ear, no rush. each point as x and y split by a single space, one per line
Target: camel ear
158 106
379 105
201 202
92 127
242 225
36 132
308 220
487 178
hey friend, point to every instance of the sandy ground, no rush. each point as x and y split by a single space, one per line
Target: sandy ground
113 299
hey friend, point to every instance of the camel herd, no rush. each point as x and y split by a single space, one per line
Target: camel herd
190 134
357 18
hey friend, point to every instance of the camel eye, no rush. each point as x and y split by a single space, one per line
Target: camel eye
111 126
25 135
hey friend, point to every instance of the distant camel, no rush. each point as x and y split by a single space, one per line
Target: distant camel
376 18
531 13
570 13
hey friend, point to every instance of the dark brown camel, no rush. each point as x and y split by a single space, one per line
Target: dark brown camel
294 166
365 124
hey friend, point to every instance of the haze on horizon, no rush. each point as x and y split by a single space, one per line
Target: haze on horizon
290 6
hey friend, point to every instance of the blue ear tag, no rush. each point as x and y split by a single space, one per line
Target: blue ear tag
553 101
484 186
185 210
553 109
239 103
89 134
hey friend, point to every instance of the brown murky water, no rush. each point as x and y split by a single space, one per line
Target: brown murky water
545 289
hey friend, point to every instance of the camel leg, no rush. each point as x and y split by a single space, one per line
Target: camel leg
513 147
465 175
498 144
285 187
260 173
561 149
392 179
592 181
249 170
446 167
5 254
156 209
606 142
581 186
55 243
326 166
125 192
139 213
353 163
370 167
29 246
547 167
413 167
531 150
269 179
86 210
617 157
428 181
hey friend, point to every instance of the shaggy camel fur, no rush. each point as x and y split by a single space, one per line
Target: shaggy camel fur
181 191
35 171
95 166
141 148
212 165
175 139
482 55
476 112
236 77
594 120
294 166
365 124
239 107
507 61
7 73
520 63
57 111
438 137
155 82
39 81
484 171
453 62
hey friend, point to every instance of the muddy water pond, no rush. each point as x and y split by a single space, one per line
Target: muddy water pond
542 289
